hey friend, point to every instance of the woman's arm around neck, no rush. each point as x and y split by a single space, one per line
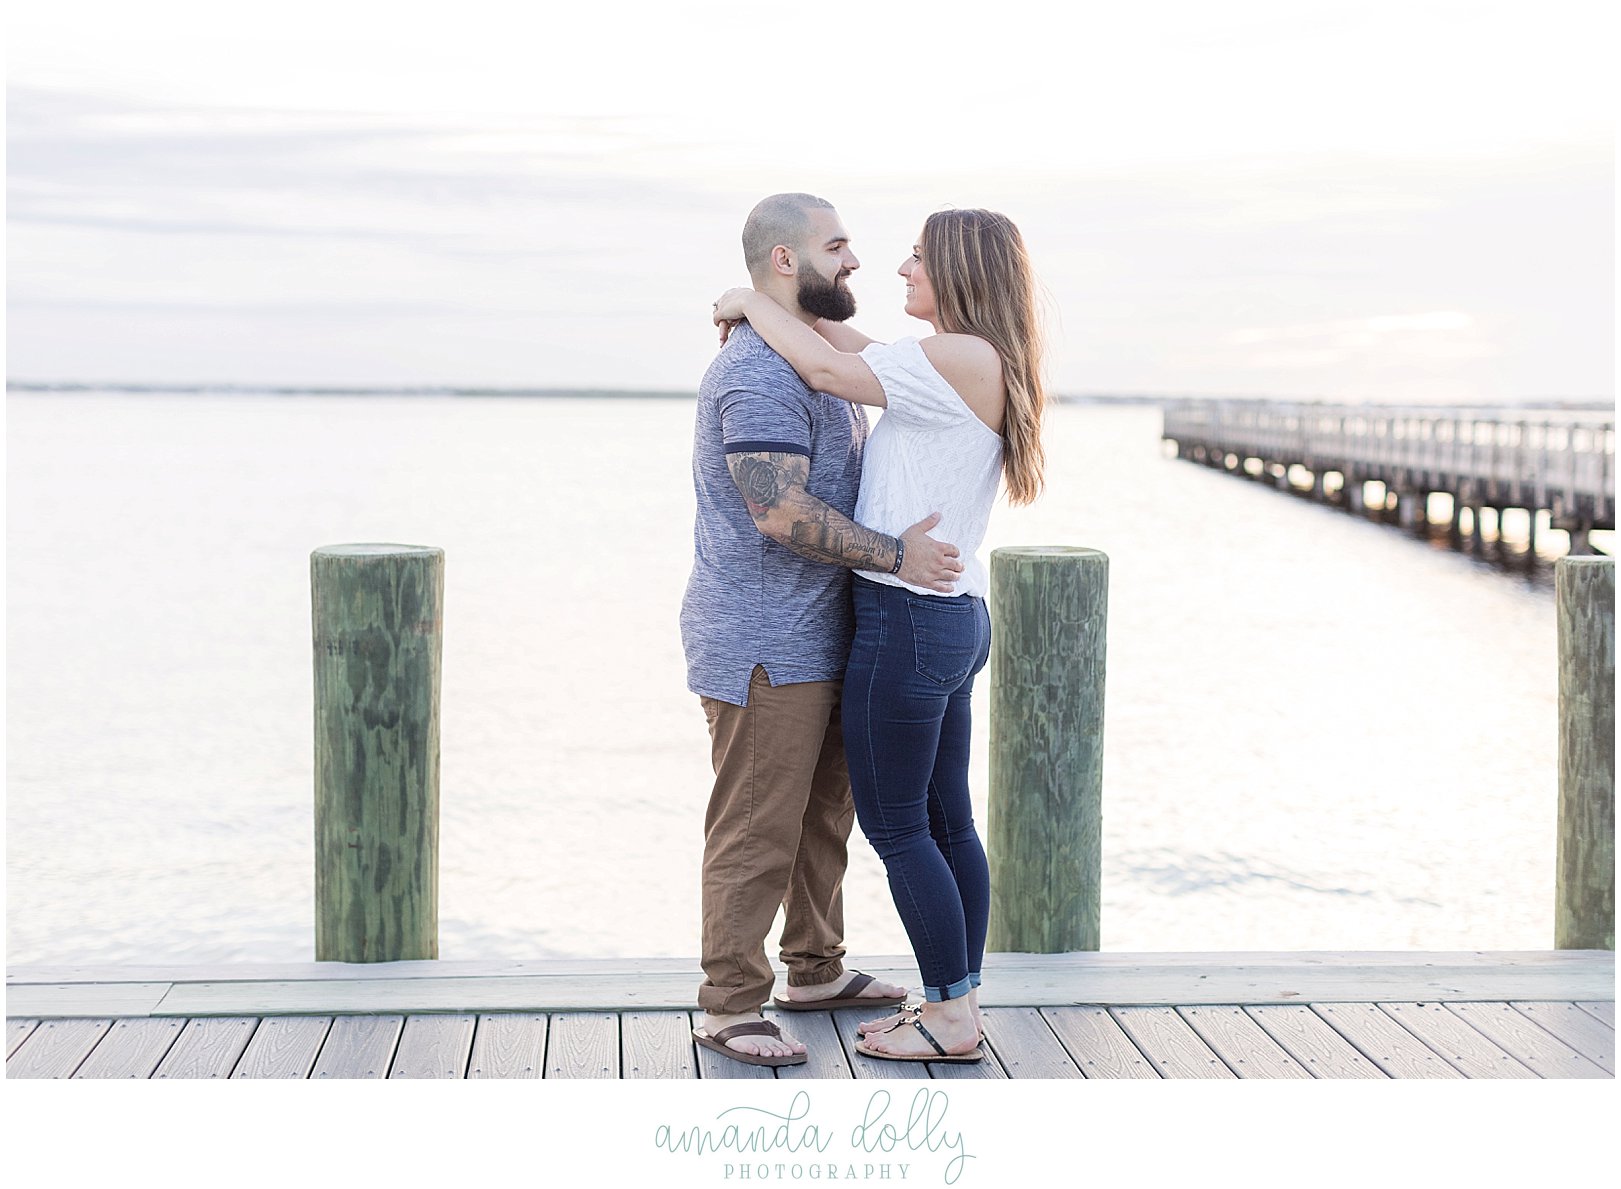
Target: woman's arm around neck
819 363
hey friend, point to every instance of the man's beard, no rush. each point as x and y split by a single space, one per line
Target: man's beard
824 298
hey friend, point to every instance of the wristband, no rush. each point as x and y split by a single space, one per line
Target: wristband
900 556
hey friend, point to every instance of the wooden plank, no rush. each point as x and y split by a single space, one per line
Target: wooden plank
583 1045
421 996
1060 982
16 1032
1459 1045
1176 1050
56 1048
1012 980
1307 1038
1099 1046
1383 1041
284 1047
89 999
862 1067
218 972
1528 1042
1095 961
1588 1036
989 1069
508 1045
1242 1043
902 968
657 1045
1224 979
207 1048
824 1051
358 1047
1024 1044
132 1049
1254 985
434 1046
1602 1011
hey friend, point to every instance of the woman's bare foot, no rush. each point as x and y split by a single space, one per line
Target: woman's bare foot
870 1027
867 1027
758 1046
950 1023
836 990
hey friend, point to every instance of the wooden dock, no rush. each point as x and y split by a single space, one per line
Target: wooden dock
1561 461
1383 1015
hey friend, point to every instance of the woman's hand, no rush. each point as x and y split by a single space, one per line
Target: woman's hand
728 311
730 307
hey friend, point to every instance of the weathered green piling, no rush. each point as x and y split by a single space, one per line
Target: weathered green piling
377 626
1050 610
1584 886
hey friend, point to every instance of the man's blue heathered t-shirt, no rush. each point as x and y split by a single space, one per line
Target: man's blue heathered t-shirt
751 601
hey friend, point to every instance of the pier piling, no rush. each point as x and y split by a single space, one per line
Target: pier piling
1584 905
377 635
1050 606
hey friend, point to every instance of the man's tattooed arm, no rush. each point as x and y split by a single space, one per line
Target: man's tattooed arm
773 487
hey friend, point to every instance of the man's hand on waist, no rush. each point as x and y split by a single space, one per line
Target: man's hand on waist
925 562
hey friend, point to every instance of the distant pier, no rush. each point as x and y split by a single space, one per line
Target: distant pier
1388 461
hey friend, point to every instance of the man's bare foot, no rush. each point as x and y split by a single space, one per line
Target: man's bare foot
950 1023
836 990
758 1046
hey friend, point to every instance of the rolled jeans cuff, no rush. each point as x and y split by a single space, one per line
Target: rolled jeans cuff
955 991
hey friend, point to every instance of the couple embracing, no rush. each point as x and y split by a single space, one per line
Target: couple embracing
835 617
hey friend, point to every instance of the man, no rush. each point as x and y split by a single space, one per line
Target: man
766 625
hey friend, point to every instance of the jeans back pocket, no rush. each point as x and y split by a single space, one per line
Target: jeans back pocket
945 636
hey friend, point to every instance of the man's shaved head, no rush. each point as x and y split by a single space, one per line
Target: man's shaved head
779 219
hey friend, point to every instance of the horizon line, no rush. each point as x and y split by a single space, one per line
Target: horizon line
319 389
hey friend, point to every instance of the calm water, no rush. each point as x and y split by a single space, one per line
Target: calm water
1319 734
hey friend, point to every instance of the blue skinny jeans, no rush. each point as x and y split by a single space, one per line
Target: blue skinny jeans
906 726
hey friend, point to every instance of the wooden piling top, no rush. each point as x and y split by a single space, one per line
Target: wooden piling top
377 550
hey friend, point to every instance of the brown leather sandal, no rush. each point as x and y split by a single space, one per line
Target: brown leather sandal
851 996
717 1043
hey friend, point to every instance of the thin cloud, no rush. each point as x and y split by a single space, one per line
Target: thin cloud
1384 341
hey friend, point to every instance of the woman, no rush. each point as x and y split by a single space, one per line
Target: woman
963 411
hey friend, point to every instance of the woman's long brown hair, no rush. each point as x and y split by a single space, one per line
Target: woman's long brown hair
983 285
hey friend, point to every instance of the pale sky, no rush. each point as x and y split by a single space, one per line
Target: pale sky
1406 201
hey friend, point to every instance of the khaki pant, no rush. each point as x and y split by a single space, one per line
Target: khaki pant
779 817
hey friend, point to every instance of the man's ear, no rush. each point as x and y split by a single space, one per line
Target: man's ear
782 259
